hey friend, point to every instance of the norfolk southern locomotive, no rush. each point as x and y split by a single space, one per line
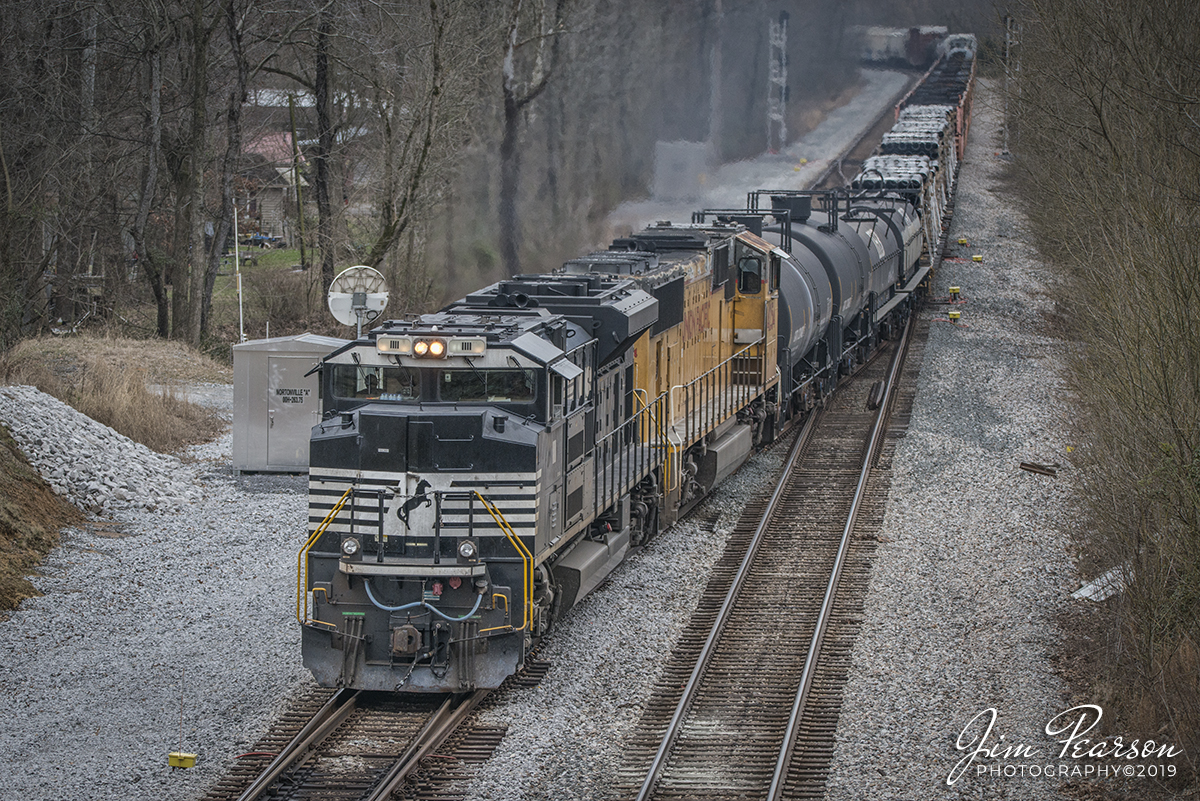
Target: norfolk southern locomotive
481 469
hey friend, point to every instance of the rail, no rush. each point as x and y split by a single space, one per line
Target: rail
343 703
722 619
283 776
814 650
441 725
742 581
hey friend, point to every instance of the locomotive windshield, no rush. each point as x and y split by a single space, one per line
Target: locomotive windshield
505 386
376 383
451 385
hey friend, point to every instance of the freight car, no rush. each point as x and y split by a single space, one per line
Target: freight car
481 469
950 82
901 47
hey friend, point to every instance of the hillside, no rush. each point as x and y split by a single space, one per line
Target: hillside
31 516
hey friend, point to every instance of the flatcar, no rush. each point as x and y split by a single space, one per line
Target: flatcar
481 469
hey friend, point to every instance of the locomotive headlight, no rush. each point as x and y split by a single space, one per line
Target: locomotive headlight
350 546
467 549
432 348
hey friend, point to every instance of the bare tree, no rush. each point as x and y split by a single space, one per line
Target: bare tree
1110 149
546 20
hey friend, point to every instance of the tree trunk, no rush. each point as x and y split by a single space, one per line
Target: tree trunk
400 196
181 236
325 140
187 290
233 151
146 259
510 171
514 102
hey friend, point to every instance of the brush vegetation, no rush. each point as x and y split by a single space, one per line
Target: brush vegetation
1105 127
31 516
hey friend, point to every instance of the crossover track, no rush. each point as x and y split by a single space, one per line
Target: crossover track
358 746
762 666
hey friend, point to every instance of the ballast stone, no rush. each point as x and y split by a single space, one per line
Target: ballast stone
93 466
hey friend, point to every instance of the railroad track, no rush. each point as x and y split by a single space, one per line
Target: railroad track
748 703
358 746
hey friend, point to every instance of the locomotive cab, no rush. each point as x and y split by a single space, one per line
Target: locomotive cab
426 468
459 455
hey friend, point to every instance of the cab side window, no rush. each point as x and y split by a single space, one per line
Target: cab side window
750 270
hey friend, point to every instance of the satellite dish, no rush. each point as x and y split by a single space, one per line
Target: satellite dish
359 294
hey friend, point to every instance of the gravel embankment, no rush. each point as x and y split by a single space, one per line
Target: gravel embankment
93 673
91 465
974 558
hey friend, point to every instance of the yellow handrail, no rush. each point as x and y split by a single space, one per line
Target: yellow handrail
302 561
526 560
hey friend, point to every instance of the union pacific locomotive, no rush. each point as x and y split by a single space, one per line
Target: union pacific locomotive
481 469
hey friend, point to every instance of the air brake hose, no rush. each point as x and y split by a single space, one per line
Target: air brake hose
414 604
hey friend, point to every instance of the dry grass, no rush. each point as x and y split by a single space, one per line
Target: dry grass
31 516
107 378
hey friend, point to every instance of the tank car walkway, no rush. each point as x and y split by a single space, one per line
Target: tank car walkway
821 147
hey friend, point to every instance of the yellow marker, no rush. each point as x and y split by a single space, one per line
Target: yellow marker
1070 448
954 290
977 257
178 759
955 315
962 240
803 161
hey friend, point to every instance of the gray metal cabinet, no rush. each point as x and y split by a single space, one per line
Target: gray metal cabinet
275 405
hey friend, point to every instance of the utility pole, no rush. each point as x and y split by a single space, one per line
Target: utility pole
777 84
296 179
